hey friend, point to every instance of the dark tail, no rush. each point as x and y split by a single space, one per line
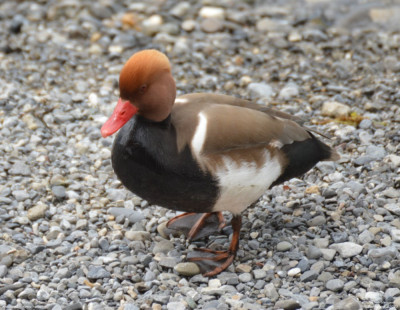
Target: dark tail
303 155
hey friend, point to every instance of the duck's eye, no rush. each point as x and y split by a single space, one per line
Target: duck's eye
143 88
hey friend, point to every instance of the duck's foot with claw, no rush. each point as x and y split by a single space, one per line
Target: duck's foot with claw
197 225
212 262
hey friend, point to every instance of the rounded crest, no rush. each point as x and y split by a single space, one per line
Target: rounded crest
140 69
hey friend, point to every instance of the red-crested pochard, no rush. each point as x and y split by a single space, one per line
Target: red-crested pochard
202 153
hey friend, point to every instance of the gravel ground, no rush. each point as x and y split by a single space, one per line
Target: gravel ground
73 238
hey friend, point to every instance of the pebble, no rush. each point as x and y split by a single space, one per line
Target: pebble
288 92
37 212
294 272
283 246
271 292
347 249
334 285
260 90
97 272
334 109
163 246
187 269
349 303
212 12
137 235
211 25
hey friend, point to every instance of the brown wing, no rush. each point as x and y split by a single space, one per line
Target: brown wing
232 123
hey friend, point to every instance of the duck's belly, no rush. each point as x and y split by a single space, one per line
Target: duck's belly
241 184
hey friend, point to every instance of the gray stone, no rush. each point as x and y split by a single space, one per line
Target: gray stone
137 235
3 271
271 292
318 220
20 195
283 246
187 269
309 275
347 249
377 152
393 208
168 262
259 274
28 293
375 297
366 237
381 255
391 292
328 254
97 272
164 246
260 90
350 303
20 168
245 277
313 252
334 285
211 25
288 304
289 91
59 192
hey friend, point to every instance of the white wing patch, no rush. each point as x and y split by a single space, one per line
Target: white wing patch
200 134
243 184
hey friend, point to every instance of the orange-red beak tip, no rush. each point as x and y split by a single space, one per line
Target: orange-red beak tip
121 115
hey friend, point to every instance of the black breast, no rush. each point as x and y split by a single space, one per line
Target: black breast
146 160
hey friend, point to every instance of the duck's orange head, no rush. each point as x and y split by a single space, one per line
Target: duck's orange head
146 88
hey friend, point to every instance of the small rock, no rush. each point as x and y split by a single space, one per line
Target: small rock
396 303
328 254
189 25
347 249
20 168
294 272
395 234
243 268
211 25
27 293
313 252
288 92
212 12
37 212
393 208
97 272
137 235
365 237
308 276
334 285
288 304
20 195
245 277
318 220
163 246
381 255
375 297
168 262
271 292
283 246
187 269
350 303
376 152
261 90
152 25
59 192
334 109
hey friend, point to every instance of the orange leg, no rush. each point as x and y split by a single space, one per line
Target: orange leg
226 256
195 224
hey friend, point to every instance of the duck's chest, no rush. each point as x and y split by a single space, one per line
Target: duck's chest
147 162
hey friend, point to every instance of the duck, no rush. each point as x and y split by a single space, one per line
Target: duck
202 153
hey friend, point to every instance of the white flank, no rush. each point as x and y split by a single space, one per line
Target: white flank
199 136
241 185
